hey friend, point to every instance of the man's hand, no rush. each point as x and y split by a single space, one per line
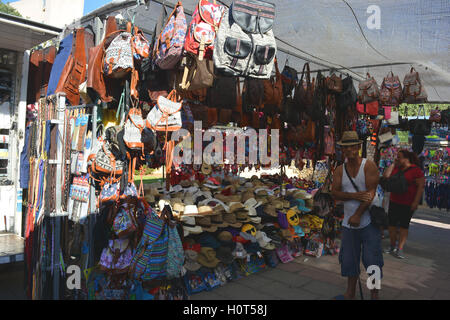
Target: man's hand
354 220
363 196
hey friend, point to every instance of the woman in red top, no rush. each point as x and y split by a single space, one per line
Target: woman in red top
403 205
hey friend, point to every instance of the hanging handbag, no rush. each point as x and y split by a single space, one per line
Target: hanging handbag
198 73
304 91
289 77
334 84
118 59
435 115
166 114
368 90
133 129
393 120
420 127
273 89
391 90
370 108
413 90
170 43
116 257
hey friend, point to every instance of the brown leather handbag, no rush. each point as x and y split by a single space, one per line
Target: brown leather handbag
74 72
308 131
95 80
198 74
334 83
273 89
304 91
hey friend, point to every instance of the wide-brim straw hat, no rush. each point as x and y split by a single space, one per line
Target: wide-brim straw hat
349 138
235 206
270 210
242 217
218 221
207 257
230 218
189 225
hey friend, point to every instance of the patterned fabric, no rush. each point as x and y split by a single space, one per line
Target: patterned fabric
150 259
175 254
123 223
116 258
110 192
130 191
171 40
118 61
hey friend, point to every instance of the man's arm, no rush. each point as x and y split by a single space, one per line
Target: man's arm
338 194
372 179
420 182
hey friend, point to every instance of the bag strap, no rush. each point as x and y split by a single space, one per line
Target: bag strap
350 178
308 74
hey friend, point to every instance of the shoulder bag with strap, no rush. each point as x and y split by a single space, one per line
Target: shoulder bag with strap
377 214
396 183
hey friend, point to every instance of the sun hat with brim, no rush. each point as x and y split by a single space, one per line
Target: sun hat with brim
207 258
191 263
235 206
205 223
230 218
270 210
242 217
225 255
262 200
185 183
189 225
217 220
256 220
190 210
349 138
278 204
225 236
261 193
206 211
178 209
175 189
239 252
286 204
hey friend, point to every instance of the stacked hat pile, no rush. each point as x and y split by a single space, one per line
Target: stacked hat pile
235 226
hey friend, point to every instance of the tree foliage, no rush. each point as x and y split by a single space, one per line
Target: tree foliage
7 8
413 109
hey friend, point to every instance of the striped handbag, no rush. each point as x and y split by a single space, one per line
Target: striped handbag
150 259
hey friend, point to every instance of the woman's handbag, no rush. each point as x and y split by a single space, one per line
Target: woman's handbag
396 183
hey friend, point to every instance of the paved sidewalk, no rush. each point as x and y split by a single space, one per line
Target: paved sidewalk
423 275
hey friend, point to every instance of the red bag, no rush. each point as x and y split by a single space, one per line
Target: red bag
368 108
202 30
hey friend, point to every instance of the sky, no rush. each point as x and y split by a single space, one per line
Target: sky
91 5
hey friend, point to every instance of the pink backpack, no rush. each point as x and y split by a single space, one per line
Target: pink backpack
170 44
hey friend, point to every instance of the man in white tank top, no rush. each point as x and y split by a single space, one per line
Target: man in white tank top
358 234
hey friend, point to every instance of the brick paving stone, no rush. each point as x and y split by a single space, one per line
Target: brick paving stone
255 281
322 275
208 295
291 267
280 290
320 287
236 291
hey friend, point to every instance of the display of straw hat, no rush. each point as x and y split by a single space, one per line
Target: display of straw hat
218 221
205 223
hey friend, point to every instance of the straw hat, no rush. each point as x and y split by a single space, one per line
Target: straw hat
190 226
178 209
270 210
242 217
218 221
190 210
191 263
205 211
235 206
205 223
207 257
185 183
247 195
349 138
230 218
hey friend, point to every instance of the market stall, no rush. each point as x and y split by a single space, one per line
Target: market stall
138 102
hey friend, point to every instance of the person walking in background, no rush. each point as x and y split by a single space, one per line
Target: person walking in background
403 205
355 183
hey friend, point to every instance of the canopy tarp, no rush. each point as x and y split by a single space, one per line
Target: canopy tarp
335 34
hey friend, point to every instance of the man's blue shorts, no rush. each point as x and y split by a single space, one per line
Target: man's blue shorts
352 241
